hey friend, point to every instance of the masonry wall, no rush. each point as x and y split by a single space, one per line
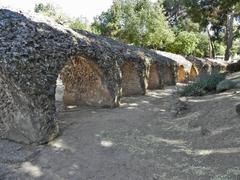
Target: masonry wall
131 82
193 73
181 74
85 84
154 81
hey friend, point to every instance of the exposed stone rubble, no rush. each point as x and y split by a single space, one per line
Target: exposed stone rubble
95 70
185 69
142 59
207 65
33 52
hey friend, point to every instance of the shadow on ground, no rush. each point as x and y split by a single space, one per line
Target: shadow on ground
145 139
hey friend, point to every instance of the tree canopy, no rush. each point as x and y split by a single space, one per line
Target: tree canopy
189 27
139 22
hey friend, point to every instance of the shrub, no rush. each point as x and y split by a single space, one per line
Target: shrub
202 47
204 84
193 89
185 43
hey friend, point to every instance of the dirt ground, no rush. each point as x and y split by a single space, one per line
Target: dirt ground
152 137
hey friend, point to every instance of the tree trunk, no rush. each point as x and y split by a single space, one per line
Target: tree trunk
211 46
229 35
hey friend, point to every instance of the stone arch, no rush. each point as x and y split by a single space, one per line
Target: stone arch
193 73
37 51
216 68
85 84
169 75
154 79
131 79
181 74
206 69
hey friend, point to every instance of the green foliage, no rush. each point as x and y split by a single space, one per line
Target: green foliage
205 83
78 24
139 22
185 43
193 89
235 48
188 25
219 48
50 11
202 48
216 16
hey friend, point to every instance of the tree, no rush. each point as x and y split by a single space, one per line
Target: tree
50 11
140 22
185 43
77 23
219 15
175 11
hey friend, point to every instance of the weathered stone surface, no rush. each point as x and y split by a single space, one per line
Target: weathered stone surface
85 84
33 52
207 66
154 79
193 73
225 85
184 66
143 58
131 83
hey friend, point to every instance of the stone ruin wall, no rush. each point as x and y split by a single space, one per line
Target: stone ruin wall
181 74
85 84
93 72
193 73
131 80
154 79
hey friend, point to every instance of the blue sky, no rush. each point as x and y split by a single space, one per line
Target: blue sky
73 8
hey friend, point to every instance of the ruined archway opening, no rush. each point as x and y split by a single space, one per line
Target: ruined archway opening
169 75
181 74
82 83
206 69
131 79
193 73
154 81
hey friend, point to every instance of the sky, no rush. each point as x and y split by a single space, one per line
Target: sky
72 8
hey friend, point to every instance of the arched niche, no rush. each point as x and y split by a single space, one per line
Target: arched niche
181 74
131 80
169 75
29 71
85 84
206 69
154 81
193 73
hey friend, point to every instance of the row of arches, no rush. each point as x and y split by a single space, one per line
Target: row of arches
82 82
89 70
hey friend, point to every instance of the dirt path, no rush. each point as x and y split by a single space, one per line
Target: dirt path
151 137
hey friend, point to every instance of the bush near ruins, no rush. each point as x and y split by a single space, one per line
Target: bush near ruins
204 84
